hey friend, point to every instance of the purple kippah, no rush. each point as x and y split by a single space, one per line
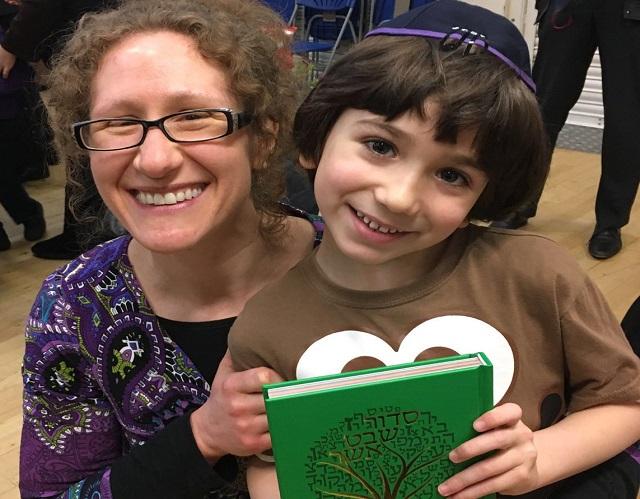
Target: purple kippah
456 22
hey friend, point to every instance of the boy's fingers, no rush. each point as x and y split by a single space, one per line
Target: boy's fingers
505 414
479 445
511 482
494 440
483 473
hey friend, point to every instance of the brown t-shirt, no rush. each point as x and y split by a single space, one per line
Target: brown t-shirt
520 298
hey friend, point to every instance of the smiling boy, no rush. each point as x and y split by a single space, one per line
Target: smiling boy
428 124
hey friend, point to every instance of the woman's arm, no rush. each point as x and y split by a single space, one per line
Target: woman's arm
70 433
233 420
72 441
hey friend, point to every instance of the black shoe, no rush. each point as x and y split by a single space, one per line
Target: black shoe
605 243
514 220
35 226
5 243
61 247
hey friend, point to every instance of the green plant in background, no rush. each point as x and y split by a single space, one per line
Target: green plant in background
305 72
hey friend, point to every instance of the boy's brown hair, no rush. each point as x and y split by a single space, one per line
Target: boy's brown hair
390 75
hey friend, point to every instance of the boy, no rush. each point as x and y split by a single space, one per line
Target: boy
427 124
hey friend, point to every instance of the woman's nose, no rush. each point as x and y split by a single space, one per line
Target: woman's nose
157 156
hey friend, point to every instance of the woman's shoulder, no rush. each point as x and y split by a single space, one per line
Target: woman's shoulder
82 270
93 262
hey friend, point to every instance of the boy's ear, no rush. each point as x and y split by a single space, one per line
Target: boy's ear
306 163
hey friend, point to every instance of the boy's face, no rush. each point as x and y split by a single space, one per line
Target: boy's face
388 190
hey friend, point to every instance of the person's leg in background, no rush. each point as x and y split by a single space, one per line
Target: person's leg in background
43 152
13 197
567 42
80 233
619 40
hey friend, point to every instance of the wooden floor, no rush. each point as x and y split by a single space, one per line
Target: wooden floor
566 214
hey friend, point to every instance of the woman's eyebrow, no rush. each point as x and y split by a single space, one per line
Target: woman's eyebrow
181 98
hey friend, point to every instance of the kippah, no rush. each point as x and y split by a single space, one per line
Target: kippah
454 22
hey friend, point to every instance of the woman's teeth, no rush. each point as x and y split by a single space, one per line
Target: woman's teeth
376 226
168 197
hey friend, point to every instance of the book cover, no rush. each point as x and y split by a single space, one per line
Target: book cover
382 433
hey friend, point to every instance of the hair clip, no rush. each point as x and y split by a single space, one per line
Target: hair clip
473 40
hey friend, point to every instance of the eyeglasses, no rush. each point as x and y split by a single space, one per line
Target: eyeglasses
195 125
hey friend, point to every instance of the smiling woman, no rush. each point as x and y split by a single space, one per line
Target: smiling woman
183 109
162 164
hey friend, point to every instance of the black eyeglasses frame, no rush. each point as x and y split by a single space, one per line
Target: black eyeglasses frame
235 121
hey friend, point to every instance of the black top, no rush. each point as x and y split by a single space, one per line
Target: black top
205 343
150 470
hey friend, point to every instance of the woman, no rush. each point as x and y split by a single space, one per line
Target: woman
183 107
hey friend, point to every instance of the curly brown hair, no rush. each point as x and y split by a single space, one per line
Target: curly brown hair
245 37
390 75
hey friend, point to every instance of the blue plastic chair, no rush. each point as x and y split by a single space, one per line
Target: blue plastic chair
383 10
282 7
317 34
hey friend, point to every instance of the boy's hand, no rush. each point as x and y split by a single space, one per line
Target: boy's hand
509 469
233 419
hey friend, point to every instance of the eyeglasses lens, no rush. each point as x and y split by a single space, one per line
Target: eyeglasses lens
191 126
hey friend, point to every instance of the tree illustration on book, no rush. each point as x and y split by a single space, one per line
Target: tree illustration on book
381 453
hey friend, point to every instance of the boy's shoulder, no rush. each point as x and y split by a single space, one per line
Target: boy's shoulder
523 255
288 292
260 334
519 244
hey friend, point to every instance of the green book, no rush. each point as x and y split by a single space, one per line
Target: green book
382 433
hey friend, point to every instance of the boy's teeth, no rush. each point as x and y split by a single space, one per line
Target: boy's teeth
374 225
158 199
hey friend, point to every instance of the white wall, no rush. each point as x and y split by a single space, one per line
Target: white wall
521 12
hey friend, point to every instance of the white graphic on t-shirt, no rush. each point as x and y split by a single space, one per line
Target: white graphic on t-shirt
459 333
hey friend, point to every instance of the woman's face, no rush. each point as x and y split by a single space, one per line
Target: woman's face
169 196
